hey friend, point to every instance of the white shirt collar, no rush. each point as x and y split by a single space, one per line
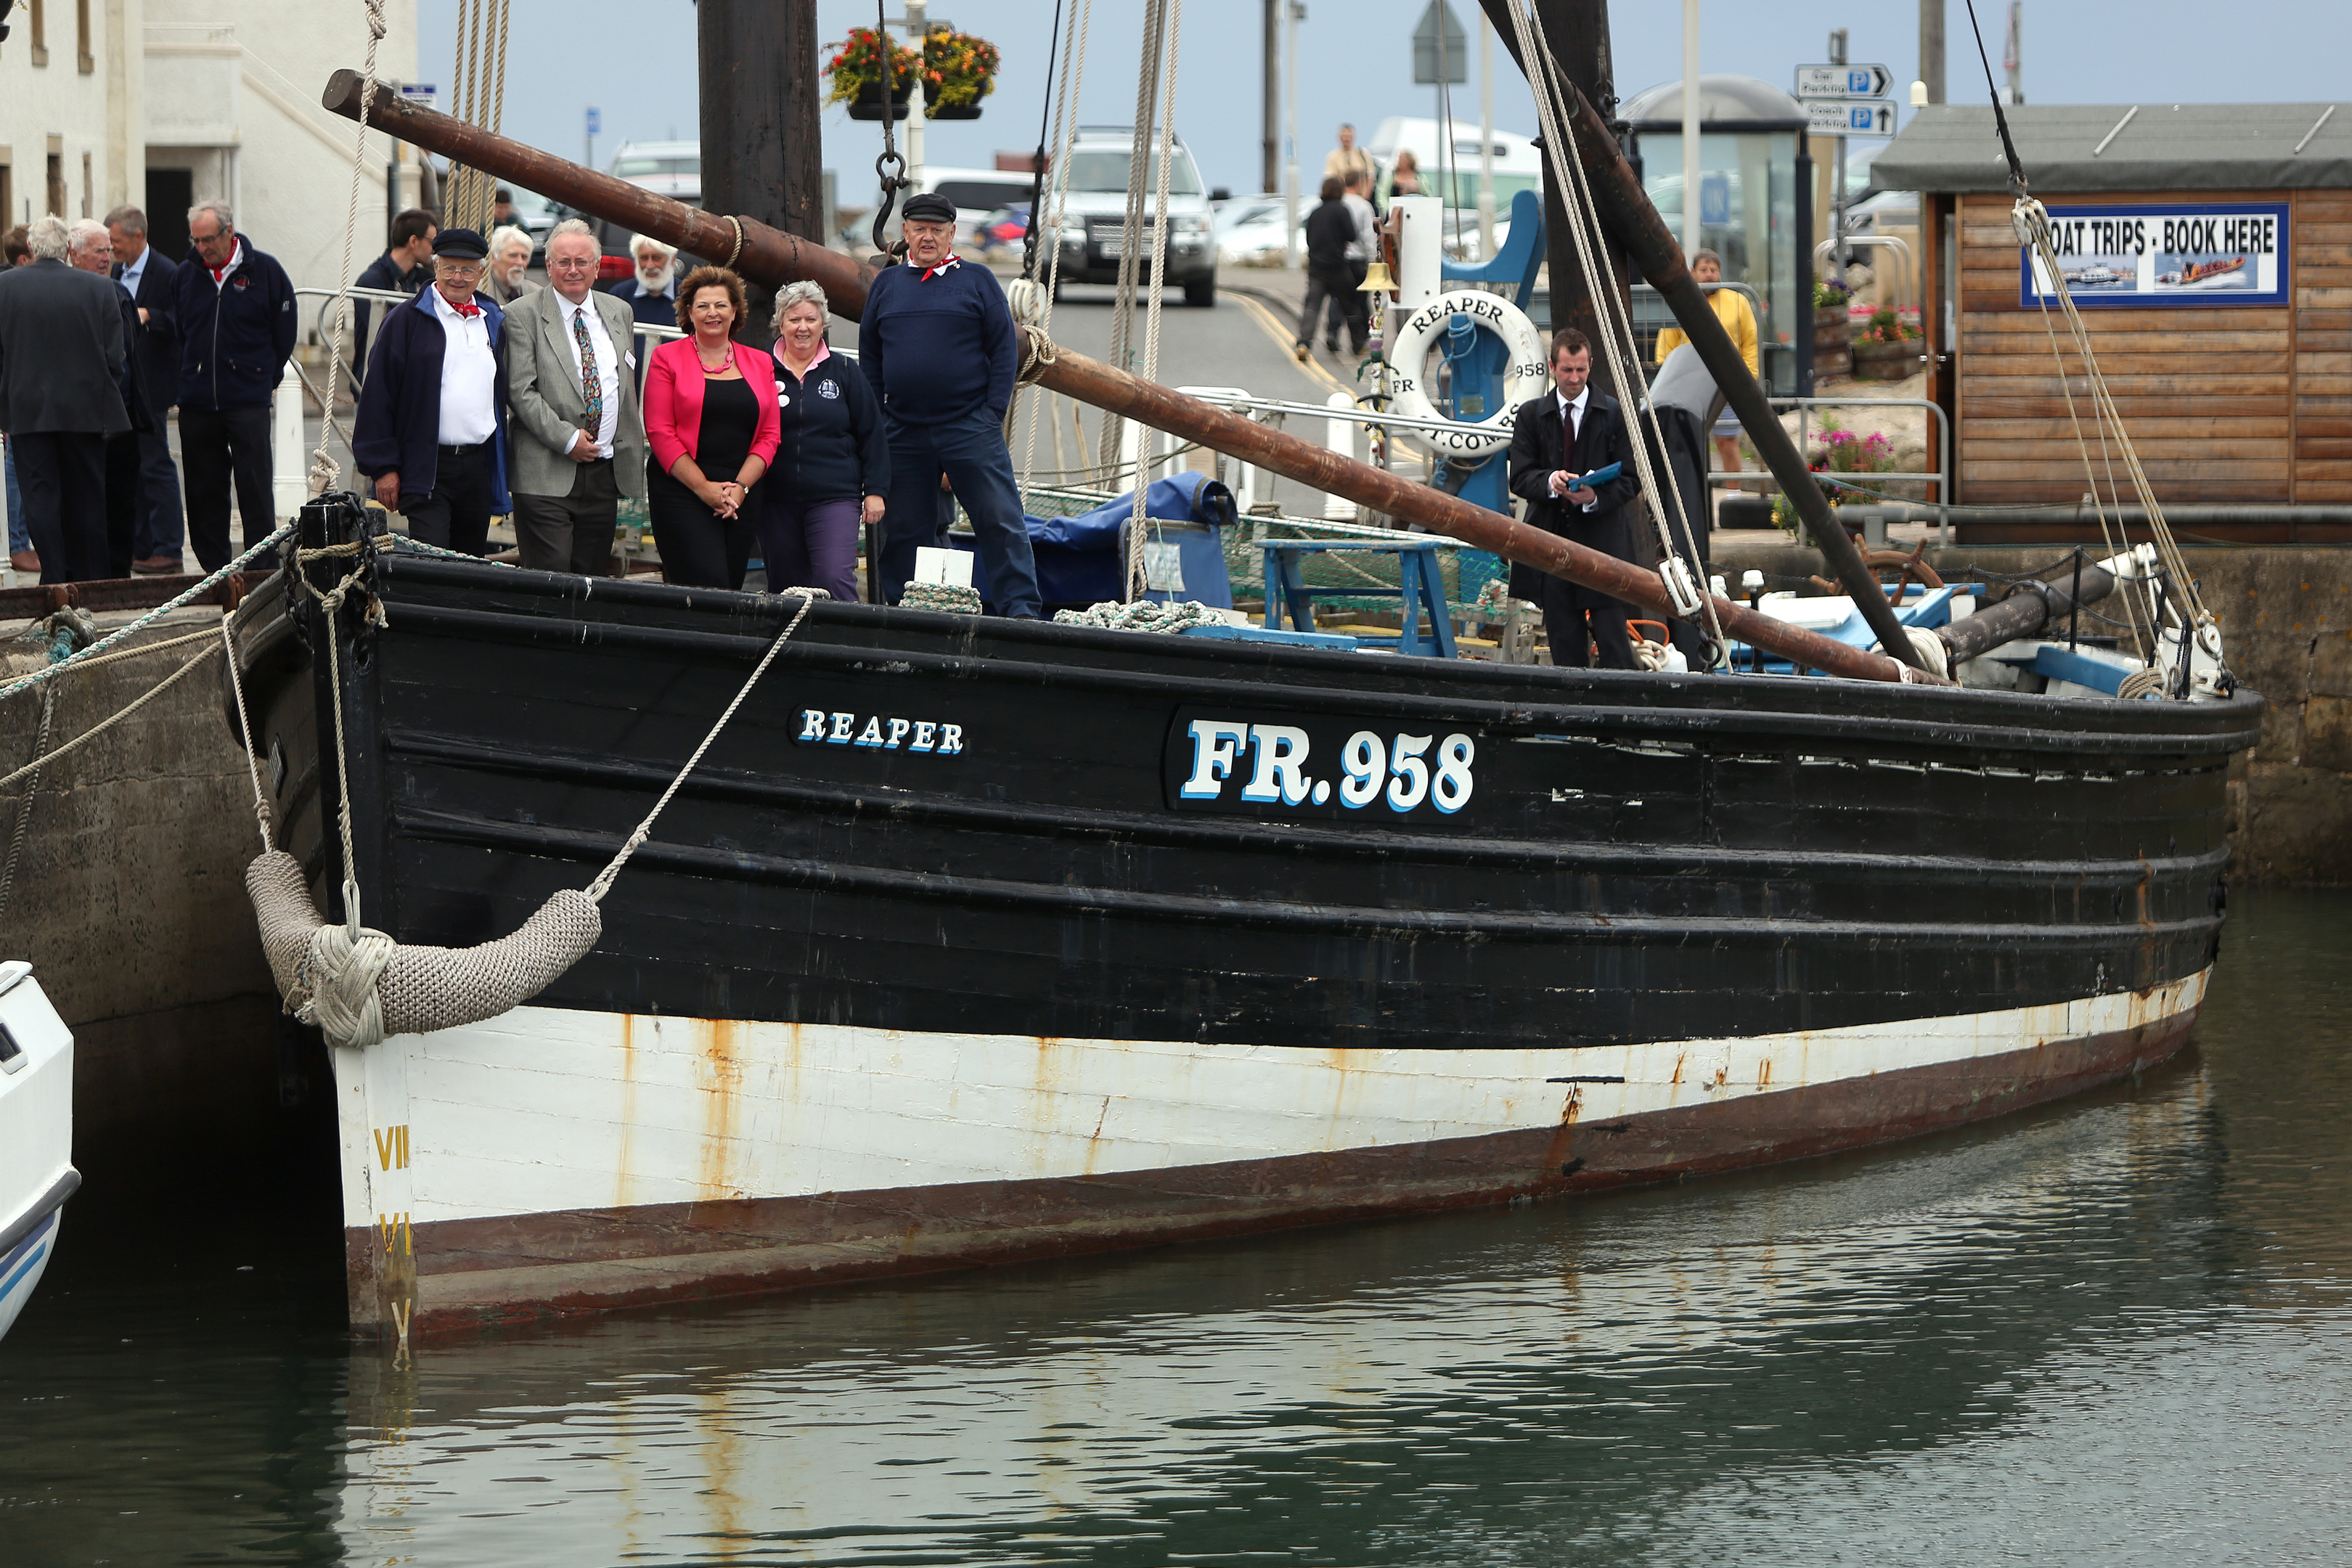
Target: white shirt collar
1567 403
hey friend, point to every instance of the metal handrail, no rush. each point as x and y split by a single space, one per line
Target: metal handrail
1941 478
1910 262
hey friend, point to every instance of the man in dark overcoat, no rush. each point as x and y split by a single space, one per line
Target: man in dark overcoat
62 355
91 249
153 283
1570 431
431 429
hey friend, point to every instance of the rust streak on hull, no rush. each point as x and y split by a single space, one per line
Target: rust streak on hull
480 1274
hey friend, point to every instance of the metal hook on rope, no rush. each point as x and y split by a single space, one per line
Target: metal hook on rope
892 180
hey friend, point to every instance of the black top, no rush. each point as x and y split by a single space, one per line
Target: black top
1331 229
833 444
731 416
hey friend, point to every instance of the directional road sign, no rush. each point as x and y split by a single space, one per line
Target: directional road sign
1849 117
1843 81
1439 46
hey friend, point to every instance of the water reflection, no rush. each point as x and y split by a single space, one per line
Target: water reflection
2110 1329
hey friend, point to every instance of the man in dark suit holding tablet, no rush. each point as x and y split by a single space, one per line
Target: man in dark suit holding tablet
1556 440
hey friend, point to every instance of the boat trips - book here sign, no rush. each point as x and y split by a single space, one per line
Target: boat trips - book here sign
2180 254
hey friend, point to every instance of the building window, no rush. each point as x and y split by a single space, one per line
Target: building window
7 192
57 191
85 60
38 21
89 190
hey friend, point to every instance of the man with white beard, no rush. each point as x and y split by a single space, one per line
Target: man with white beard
652 294
510 249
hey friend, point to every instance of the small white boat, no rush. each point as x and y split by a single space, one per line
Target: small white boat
36 1174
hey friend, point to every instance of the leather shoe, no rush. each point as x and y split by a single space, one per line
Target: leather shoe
157 566
24 561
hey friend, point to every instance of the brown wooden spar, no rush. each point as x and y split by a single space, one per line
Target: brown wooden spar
764 256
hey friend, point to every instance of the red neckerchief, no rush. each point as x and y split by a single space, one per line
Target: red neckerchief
222 271
931 272
468 309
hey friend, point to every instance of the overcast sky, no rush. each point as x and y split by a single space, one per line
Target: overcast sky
635 61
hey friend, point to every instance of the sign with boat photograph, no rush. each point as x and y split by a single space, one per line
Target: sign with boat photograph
2173 254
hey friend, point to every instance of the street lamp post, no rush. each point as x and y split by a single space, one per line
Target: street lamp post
1292 13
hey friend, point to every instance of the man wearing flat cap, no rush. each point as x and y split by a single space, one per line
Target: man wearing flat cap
432 427
938 345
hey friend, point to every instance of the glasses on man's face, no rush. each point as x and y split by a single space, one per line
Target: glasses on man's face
459 270
572 264
213 238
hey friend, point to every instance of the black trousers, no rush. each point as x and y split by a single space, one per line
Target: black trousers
1565 609
572 532
457 515
219 449
161 531
699 549
126 501
62 477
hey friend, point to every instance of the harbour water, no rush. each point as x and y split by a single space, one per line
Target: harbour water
2113 1330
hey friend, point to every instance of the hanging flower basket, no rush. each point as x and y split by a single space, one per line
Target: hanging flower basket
959 70
856 67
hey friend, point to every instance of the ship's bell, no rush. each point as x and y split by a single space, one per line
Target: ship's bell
1376 279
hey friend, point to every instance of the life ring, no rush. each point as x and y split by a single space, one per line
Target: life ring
1408 351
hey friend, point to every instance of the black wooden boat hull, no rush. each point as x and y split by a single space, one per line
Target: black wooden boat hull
1047 834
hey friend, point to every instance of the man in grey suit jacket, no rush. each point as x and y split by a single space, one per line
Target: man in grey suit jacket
61 367
578 433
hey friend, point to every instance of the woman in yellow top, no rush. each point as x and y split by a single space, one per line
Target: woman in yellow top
1731 310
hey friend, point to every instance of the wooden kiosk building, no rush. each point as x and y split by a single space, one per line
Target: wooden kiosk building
2210 249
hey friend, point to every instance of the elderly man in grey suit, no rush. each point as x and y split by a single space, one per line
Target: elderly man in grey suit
61 366
580 434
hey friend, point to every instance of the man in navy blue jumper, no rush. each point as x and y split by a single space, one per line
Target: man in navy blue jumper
938 345
236 312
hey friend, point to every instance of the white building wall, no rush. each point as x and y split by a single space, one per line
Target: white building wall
231 95
77 104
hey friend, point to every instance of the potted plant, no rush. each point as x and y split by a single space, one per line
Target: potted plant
1832 328
857 69
1888 349
959 70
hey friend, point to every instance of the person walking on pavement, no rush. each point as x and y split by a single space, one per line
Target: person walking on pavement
578 431
89 250
62 353
236 307
937 344
1569 432
404 268
1351 306
1346 161
832 470
432 420
160 533
1331 229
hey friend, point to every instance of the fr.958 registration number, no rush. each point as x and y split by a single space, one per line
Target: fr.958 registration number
1317 767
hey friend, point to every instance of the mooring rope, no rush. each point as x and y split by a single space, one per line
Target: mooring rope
24 805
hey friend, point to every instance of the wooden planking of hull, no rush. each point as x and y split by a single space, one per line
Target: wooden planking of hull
1313 931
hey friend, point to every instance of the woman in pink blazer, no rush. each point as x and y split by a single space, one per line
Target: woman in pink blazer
711 431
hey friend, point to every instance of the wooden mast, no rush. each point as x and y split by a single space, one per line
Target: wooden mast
758 61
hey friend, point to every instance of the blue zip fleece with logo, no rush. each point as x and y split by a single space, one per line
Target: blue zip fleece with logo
234 335
832 446
939 348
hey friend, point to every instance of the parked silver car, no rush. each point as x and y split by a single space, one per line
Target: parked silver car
1095 209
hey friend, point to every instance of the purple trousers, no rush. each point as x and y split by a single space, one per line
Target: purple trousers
810 544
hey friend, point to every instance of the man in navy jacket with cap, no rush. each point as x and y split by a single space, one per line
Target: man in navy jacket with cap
937 346
432 423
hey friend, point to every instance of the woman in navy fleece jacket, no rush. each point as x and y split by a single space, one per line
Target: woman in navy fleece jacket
833 464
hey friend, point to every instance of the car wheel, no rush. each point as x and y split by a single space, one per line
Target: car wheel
1201 291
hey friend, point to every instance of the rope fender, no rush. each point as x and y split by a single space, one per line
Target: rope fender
359 990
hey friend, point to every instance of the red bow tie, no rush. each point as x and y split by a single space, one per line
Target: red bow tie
469 309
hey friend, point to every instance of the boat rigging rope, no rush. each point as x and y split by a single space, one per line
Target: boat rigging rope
2031 221
325 472
1032 306
1600 281
24 805
1122 327
1137 579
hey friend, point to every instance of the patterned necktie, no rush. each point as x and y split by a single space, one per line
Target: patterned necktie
592 384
